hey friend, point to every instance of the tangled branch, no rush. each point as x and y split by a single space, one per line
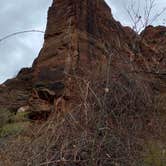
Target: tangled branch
20 32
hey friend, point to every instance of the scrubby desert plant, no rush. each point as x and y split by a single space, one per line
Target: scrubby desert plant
13 129
5 116
142 13
155 154
11 123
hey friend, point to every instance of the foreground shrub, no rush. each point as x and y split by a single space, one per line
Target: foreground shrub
5 116
13 129
156 154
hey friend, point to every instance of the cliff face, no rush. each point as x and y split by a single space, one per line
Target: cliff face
78 35
81 40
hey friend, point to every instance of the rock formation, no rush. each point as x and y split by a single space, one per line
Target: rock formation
81 40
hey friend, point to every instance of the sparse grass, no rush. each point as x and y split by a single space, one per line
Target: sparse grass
13 129
11 123
155 154
5 116
20 116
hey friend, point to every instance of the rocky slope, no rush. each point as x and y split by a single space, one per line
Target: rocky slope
83 40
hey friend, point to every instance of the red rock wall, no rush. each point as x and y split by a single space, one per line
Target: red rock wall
79 39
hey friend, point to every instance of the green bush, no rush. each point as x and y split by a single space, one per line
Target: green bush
5 117
13 128
11 124
156 155
19 117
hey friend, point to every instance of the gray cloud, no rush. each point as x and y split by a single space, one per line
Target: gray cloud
17 15
20 51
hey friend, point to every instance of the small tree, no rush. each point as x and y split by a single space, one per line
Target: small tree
141 17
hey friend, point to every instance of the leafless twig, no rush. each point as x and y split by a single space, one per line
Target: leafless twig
20 32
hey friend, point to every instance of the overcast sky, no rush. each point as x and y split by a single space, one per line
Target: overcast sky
17 15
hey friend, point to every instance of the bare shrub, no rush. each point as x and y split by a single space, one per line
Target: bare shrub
103 128
142 16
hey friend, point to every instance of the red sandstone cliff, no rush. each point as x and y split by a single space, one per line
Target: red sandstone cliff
81 40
